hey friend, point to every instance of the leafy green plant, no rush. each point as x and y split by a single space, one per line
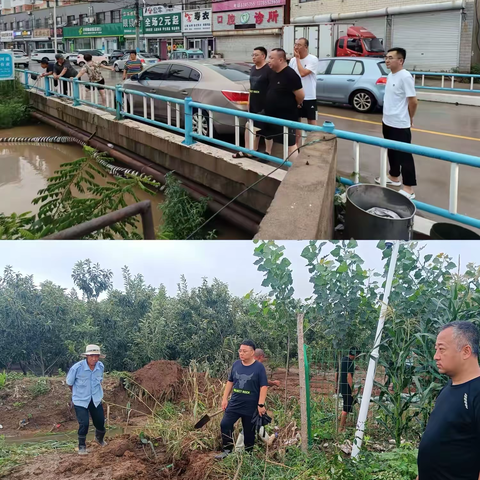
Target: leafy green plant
14 104
39 387
3 379
181 215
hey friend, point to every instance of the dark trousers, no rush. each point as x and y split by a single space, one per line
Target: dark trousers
98 419
228 421
401 163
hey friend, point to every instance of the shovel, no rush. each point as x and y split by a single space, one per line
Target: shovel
206 418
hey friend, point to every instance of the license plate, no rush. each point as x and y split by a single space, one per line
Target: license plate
152 61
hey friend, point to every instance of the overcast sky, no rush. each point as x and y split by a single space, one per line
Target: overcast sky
165 261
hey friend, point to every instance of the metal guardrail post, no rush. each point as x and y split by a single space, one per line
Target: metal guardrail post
188 122
76 93
48 93
307 391
328 126
118 100
27 86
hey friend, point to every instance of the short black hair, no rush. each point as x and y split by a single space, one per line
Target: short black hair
249 343
261 49
354 352
307 43
87 57
44 62
281 51
132 51
400 51
465 333
59 56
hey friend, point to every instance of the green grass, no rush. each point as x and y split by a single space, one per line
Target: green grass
12 455
14 104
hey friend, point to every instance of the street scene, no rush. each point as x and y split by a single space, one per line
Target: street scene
182 74
239 360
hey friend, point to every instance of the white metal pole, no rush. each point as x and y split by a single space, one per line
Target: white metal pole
55 25
372 364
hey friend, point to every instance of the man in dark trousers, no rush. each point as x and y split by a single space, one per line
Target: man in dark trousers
259 78
285 96
63 69
449 449
347 368
248 381
85 381
399 107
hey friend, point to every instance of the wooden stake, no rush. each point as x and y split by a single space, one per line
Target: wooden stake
303 384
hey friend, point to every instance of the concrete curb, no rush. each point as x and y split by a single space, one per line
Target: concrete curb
470 100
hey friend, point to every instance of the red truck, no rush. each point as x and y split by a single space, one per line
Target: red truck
359 42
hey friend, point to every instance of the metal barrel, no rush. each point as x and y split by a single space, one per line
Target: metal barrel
361 225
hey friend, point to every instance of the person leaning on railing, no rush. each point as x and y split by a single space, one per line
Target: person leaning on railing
92 69
63 69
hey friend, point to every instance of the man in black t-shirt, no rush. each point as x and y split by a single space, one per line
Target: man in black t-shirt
63 69
248 381
449 449
284 97
347 368
259 80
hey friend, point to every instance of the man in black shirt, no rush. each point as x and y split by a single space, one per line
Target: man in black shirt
347 368
449 449
63 69
259 79
248 380
284 97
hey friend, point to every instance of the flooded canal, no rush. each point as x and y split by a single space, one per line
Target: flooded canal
24 170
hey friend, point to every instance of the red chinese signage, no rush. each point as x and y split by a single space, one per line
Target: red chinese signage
245 4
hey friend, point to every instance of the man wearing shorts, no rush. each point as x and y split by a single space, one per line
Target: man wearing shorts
284 97
259 78
347 367
306 66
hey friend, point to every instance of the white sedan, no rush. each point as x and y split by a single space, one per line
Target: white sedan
145 58
20 58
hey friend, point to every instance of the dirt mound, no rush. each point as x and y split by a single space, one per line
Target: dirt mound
124 458
161 378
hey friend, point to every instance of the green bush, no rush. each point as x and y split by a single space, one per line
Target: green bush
40 387
14 104
3 379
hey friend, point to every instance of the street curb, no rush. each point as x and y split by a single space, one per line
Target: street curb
470 100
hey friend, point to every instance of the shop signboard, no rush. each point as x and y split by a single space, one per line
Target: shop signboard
260 18
85 31
7 66
245 4
41 33
162 23
159 9
129 19
197 21
6 36
19 35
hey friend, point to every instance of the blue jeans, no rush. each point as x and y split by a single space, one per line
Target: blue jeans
98 419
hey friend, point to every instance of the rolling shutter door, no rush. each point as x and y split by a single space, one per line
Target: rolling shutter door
432 40
376 25
238 48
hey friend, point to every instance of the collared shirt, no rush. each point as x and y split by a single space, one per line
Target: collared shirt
87 384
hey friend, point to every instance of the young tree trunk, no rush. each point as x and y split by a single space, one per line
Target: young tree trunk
287 367
22 366
303 384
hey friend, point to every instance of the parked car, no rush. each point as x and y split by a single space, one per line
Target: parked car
119 54
211 82
145 58
72 57
97 56
359 82
182 54
20 59
44 53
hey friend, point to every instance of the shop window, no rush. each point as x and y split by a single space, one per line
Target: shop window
82 19
116 16
100 18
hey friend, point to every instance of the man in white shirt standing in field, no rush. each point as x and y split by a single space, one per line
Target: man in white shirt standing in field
399 107
306 65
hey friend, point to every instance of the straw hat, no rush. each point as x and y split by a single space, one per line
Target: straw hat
92 350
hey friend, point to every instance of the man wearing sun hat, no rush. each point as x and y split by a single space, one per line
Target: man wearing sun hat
85 381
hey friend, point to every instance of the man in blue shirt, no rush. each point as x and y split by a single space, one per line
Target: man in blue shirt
85 381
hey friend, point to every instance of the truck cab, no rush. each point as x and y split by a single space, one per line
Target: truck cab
359 42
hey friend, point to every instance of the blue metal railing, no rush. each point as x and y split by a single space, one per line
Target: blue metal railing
123 105
452 77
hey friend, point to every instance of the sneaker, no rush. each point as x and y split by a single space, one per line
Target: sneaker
389 182
223 455
410 196
82 450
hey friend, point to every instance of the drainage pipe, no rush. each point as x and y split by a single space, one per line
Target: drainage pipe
234 214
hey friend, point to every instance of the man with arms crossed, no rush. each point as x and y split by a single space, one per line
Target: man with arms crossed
284 97
399 107
449 449
306 65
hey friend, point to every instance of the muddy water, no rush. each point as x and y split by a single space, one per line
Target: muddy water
24 170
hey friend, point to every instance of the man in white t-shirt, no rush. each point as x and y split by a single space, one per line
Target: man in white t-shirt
399 107
306 66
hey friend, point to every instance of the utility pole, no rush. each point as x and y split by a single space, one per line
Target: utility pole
55 25
137 25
